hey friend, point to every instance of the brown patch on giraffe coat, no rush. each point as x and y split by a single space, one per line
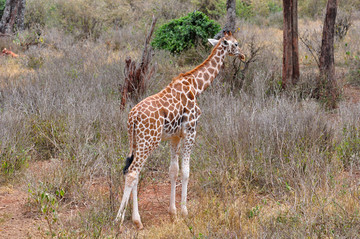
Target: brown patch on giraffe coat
151 108
206 75
183 99
171 107
190 104
194 83
190 95
211 71
170 116
187 82
213 63
200 83
178 86
165 103
156 114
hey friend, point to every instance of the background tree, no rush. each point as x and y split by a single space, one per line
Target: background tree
138 74
291 70
230 18
326 84
13 16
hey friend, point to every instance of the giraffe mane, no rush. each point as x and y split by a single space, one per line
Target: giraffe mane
199 66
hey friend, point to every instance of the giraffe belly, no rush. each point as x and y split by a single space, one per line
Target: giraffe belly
170 131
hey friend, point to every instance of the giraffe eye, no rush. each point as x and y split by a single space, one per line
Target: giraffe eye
236 44
225 43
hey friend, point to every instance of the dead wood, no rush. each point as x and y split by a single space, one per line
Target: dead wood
136 74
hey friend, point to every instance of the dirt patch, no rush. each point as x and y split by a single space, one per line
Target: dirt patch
154 201
352 93
14 223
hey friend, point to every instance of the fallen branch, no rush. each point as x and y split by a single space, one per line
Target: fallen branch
6 52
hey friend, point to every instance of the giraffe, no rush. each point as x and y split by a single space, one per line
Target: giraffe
171 114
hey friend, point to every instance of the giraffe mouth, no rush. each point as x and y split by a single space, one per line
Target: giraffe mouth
242 57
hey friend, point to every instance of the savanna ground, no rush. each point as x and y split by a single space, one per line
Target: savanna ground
266 164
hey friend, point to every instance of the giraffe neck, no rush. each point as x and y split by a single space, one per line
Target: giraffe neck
204 74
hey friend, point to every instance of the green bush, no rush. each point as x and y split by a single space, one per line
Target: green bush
183 33
215 9
2 7
244 10
274 7
349 148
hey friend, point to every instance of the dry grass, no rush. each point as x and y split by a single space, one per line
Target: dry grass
265 164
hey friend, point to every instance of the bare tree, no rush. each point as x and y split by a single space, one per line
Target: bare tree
230 19
13 16
291 71
326 84
137 74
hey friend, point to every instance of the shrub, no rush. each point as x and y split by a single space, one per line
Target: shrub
2 7
212 8
244 10
274 7
348 149
183 33
310 8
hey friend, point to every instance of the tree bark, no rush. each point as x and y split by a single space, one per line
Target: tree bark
230 19
327 86
13 16
138 74
291 71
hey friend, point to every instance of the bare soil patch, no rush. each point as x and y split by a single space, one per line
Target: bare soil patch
14 220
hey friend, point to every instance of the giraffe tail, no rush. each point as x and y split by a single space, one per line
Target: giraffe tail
128 162
130 159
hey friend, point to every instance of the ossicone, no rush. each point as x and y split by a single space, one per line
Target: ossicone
227 33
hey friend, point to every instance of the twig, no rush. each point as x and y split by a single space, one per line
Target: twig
311 50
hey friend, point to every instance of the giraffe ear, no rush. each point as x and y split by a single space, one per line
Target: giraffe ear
213 41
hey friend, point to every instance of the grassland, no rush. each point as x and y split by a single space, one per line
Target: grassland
266 164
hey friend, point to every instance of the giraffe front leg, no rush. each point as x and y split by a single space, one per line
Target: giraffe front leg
185 167
130 180
173 172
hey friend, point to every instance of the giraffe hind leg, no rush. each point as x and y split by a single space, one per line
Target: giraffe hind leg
130 181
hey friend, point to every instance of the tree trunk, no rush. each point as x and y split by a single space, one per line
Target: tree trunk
13 16
327 88
138 74
291 71
230 19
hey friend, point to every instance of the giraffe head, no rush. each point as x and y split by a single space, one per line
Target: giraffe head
230 44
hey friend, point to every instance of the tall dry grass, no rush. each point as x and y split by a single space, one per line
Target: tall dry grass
265 164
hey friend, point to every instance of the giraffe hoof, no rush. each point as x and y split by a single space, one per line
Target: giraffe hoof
184 212
139 225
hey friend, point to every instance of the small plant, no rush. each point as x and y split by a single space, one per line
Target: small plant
12 159
48 204
2 7
255 211
342 26
35 62
48 136
184 33
349 148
